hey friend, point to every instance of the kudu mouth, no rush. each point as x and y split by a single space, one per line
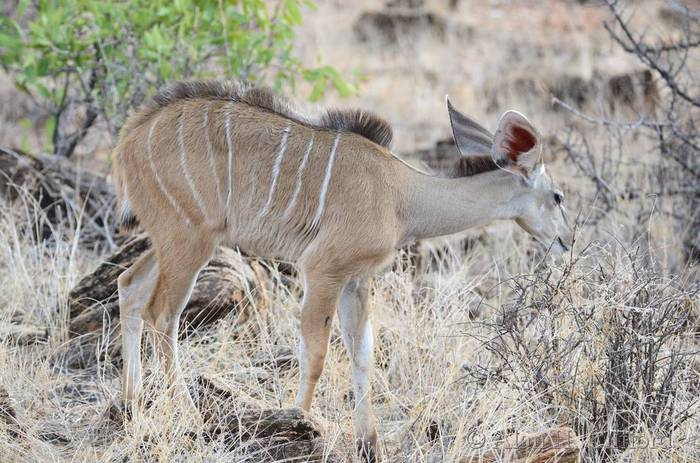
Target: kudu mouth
554 246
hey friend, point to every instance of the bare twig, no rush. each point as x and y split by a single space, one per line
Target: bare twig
636 47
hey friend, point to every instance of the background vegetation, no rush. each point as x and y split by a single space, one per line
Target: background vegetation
101 59
478 336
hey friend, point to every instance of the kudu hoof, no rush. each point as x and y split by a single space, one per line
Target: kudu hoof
367 449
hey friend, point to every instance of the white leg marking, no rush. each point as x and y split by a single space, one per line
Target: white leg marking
229 144
300 173
183 162
304 373
135 287
362 352
276 170
159 181
356 328
324 186
210 151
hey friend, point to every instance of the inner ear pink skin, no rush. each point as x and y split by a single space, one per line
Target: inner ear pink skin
519 140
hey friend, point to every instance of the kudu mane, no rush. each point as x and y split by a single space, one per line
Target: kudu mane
467 166
360 122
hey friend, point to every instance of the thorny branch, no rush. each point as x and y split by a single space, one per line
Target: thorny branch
649 55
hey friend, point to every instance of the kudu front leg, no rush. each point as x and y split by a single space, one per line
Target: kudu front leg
355 324
320 302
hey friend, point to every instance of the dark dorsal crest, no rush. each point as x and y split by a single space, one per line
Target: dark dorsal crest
467 166
462 166
363 123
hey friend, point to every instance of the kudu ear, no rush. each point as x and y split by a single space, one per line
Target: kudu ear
470 137
516 145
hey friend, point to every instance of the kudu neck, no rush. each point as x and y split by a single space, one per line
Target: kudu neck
442 206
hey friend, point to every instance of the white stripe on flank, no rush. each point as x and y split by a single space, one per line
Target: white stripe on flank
302 167
159 181
227 125
210 151
326 182
183 162
276 170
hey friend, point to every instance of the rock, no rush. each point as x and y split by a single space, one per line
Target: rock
7 411
557 445
22 334
441 158
434 431
390 27
410 4
574 90
281 359
8 415
676 15
632 90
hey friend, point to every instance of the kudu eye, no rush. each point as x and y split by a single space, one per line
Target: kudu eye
558 198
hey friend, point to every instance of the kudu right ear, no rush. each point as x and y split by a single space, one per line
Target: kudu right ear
516 144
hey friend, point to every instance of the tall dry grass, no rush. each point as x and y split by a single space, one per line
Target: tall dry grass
498 339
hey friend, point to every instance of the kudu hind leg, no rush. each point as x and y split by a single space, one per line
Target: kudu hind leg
355 324
178 274
320 302
135 286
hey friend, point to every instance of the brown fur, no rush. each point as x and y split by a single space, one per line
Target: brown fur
356 235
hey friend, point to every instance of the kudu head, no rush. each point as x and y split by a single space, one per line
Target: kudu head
516 147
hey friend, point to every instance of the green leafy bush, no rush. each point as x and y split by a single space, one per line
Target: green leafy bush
98 59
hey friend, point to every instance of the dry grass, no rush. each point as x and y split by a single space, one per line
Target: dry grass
498 339
503 338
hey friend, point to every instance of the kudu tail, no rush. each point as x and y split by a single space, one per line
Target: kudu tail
126 218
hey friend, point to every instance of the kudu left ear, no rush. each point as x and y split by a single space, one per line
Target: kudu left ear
516 144
470 137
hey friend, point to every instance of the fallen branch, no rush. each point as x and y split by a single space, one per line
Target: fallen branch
266 435
66 197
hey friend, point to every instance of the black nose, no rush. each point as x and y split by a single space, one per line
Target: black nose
561 243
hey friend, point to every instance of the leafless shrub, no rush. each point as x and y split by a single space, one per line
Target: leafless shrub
609 353
672 166
607 342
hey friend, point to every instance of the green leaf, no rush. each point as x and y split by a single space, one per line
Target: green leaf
49 129
341 85
293 11
318 89
43 90
135 45
22 7
42 67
